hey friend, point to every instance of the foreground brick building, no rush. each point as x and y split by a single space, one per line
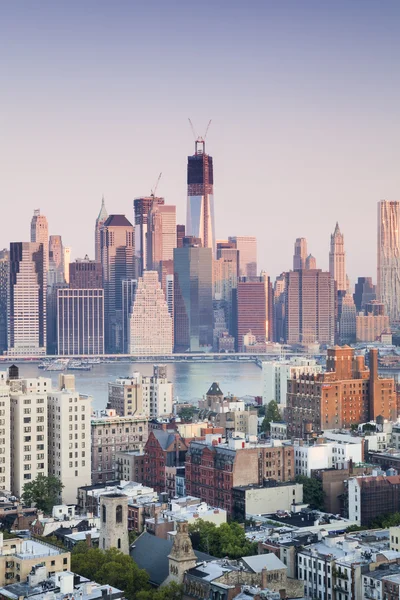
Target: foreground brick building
213 470
164 452
347 393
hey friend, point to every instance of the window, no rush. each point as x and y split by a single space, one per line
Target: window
118 514
104 514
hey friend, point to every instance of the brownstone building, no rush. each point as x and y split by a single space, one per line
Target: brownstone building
164 452
213 470
346 394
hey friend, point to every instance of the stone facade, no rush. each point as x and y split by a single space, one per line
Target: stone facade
114 523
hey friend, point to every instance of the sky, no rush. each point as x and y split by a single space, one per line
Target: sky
304 98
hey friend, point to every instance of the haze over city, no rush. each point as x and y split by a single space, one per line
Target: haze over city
302 97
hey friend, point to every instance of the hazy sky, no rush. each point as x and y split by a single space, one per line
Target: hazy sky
304 99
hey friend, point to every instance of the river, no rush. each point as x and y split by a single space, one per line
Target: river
191 380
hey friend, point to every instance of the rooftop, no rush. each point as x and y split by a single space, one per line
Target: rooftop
117 221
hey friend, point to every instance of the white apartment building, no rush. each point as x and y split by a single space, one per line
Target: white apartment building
142 395
277 373
5 434
29 450
324 456
69 438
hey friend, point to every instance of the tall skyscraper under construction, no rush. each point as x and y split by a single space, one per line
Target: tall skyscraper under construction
200 200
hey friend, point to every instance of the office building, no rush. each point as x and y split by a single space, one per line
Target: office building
309 307
250 307
372 322
4 280
101 219
311 262
141 395
29 430
337 260
388 280
27 299
128 297
80 321
346 394
247 248
67 260
142 208
200 199
118 262
193 322
40 235
85 274
161 235
69 438
55 274
300 254
364 291
112 434
180 234
277 373
346 319
151 324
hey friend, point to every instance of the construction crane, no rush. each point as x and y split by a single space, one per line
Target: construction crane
153 191
199 138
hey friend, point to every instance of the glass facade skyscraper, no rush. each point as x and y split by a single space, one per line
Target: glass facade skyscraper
200 201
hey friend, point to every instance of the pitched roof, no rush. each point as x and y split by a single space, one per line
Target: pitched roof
117 221
214 390
151 553
165 438
260 561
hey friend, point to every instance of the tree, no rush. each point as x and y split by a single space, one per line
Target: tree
44 492
172 591
272 414
313 493
228 539
187 413
110 567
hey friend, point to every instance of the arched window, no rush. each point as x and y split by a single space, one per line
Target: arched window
119 543
118 514
104 514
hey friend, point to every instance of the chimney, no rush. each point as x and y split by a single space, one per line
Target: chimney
264 578
89 540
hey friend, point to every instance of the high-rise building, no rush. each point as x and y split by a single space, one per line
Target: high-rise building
311 262
300 254
129 287
279 308
142 208
180 234
67 260
347 320
337 260
388 280
150 322
364 291
277 373
29 431
193 322
225 276
4 281
40 235
85 274
101 219
372 323
56 261
27 299
80 321
69 438
118 261
250 306
309 307
200 200
161 235
5 433
247 247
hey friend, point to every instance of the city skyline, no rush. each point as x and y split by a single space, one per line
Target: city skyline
292 117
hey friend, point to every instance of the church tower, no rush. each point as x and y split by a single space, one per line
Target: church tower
114 522
181 558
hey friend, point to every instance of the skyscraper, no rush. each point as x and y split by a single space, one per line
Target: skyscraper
161 235
27 299
129 287
364 291
250 305
388 281
200 200
56 260
85 274
118 261
300 254
309 307
180 234
311 262
337 260
40 235
101 219
80 321
4 278
150 321
142 208
67 260
193 297
247 246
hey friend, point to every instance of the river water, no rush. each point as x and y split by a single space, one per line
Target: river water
191 380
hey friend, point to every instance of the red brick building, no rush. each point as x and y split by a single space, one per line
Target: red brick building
164 452
347 393
250 307
213 470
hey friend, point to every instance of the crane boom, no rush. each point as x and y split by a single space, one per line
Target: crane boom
153 191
